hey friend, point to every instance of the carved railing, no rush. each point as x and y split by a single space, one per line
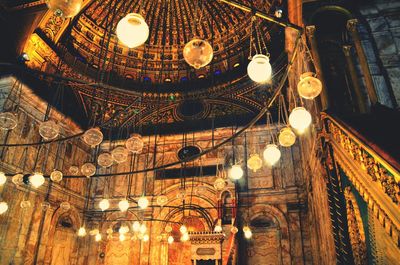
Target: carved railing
374 173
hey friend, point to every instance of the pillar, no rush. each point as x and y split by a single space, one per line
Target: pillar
310 31
352 28
357 89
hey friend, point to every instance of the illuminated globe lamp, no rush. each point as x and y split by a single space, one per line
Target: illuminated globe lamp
104 204
3 178
185 237
234 229
168 228
198 53
97 237
136 226
259 69
93 137
94 232
135 143
88 169
309 87
236 172
119 154
143 228
65 8
132 30
219 183
300 119
3 207
36 179
146 238
8 121
49 130
122 237
183 229
56 176
254 162
218 226
105 160
143 202
247 232
170 239
272 154
81 231
286 137
162 200
123 205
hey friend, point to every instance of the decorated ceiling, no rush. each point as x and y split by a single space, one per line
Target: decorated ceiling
152 84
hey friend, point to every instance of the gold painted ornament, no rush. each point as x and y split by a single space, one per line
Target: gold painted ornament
254 162
286 137
56 176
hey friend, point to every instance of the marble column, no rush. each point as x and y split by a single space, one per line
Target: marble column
352 28
353 74
310 31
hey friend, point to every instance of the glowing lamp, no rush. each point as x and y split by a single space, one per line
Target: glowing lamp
8 121
162 200
3 207
93 137
183 229
286 137
185 237
122 237
88 169
247 232
104 204
73 170
170 239
36 180
234 230
309 86
97 237
132 30
65 8
259 69
119 154
236 172
198 53
105 160
136 226
135 143
143 228
168 228
219 184
146 238
143 202
82 231
3 178
94 232
123 229
123 205
56 176
300 119
254 162
49 130
272 154
218 228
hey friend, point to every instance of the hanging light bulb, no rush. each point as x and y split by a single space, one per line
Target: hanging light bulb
3 207
3 178
162 200
170 239
25 204
8 121
119 154
123 229
135 143
109 231
272 154
104 204
82 231
143 228
236 172
105 160
49 130
183 229
300 119
132 30
168 228
136 226
73 170
159 238
198 53
88 169
56 176
309 87
219 184
93 137
254 162
146 238
65 206
143 202
259 69
234 229
65 8
247 232
185 237
122 237
123 205
36 179
98 237
286 137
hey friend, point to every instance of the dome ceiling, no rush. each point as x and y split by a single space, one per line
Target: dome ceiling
172 24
